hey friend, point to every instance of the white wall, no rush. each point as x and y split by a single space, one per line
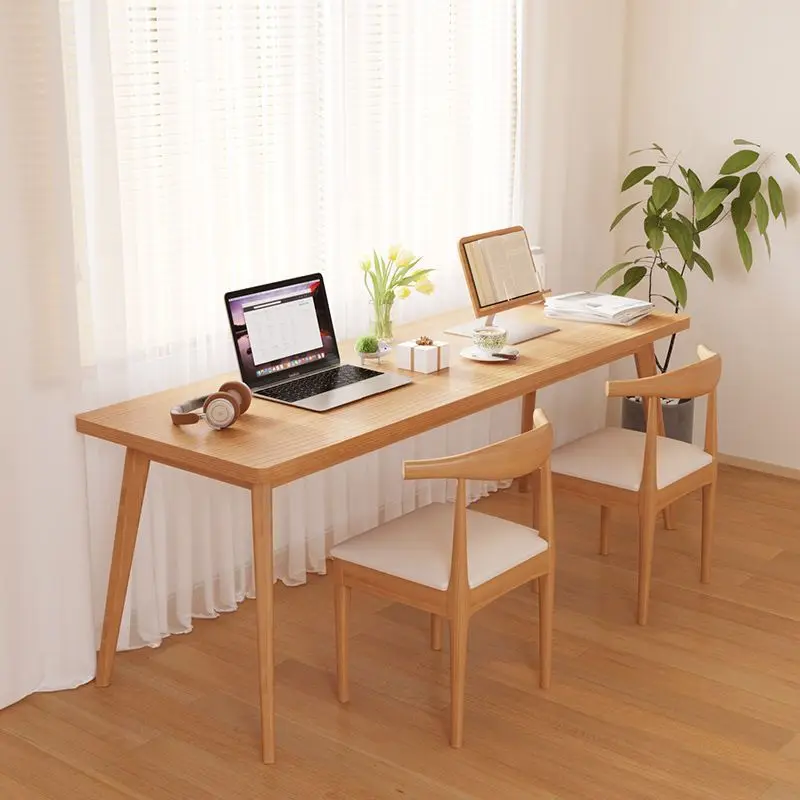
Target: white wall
699 74
571 147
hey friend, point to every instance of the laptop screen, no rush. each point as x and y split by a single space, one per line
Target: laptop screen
282 329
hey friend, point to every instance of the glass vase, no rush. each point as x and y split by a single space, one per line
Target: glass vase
381 321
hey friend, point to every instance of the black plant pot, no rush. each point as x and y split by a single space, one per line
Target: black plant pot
678 417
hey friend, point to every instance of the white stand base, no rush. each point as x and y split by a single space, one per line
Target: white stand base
519 330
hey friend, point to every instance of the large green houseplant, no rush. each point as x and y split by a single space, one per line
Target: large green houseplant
677 211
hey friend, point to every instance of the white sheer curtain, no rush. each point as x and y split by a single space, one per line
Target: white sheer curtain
217 145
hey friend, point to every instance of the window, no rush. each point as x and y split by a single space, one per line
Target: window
241 141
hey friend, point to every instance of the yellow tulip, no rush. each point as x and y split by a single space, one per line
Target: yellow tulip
425 286
365 263
401 292
404 257
393 251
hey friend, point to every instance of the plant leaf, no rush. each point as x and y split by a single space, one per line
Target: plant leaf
738 161
634 276
682 236
612 271
745 248
622 214
793 161
674 196
776 198
769 245
688 223
709 201
749 186
634 176
707 222
729 183
704 265
678 285
740 212
744 141
652 229
662 189
694 183
762 213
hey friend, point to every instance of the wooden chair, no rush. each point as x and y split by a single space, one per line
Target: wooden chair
451 561
618 467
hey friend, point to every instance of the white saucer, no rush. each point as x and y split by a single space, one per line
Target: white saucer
476 354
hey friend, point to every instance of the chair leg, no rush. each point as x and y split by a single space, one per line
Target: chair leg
605 524
546 593
342 607
709 507
436 632
647 530
458 678
669 518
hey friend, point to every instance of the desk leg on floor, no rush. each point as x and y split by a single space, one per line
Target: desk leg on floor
131 496
645 367
526 483
261 501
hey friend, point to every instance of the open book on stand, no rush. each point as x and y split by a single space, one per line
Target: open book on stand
596 307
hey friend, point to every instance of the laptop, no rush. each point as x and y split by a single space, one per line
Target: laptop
287 350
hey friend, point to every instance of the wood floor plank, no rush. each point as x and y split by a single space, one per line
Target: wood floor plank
701 704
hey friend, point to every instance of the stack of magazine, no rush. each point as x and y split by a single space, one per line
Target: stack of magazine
596 307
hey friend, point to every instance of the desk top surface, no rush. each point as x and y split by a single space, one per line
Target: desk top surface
275 443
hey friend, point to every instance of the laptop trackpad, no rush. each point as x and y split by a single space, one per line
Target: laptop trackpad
355 391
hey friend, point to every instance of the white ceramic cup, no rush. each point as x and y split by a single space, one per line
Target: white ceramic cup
490 338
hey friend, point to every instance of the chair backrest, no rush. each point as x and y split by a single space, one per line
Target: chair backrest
512 458
695 380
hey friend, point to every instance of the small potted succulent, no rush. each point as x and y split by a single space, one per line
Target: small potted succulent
677 212
368 347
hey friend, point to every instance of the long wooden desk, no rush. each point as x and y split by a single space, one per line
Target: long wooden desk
273 444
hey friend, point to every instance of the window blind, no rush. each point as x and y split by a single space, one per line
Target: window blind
254 139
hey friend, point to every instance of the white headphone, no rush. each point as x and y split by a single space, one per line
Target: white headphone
219 409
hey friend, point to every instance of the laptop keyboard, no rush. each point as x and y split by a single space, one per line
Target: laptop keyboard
312 385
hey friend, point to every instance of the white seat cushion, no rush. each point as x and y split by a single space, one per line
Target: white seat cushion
615 456
418 546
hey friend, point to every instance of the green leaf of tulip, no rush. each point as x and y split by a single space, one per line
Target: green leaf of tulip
793 161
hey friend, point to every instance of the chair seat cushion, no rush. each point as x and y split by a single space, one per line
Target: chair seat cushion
615 456
418 546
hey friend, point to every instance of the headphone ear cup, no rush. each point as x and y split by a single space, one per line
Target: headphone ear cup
242 393
221 410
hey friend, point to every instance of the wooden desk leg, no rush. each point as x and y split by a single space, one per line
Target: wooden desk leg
261 502
645 367
526 483
131 496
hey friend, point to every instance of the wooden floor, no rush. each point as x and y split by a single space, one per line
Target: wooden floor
703 703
